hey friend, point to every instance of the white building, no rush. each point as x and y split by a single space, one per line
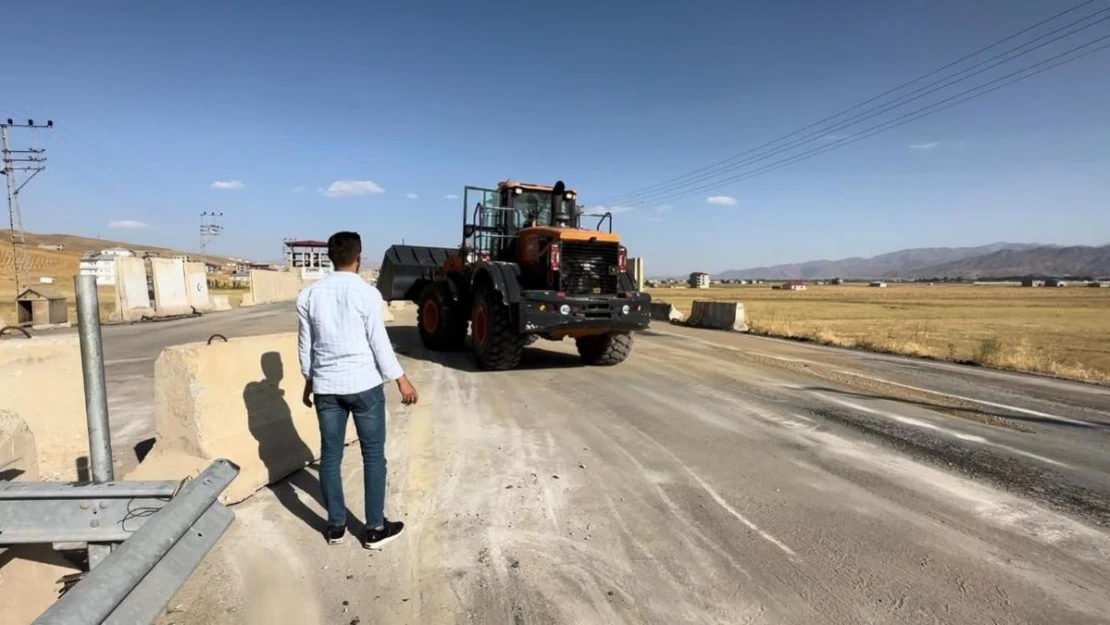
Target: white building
699 280
102 264
309 258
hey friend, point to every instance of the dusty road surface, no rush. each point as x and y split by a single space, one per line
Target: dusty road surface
712 478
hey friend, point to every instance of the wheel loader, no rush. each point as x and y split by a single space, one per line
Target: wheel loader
526 269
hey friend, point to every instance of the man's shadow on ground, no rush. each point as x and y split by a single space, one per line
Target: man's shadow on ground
280 447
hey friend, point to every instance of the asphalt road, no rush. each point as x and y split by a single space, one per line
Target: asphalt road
712 478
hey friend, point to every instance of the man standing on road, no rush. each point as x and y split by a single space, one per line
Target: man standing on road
346 358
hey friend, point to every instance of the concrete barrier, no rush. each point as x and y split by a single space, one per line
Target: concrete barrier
719 315
132 290
171 296
41 382
220 303
274 286
636 270
398 304
387 314
239 400
18 458
662 311
196 286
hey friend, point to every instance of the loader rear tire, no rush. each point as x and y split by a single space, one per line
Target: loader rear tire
497 347
605 350
441 320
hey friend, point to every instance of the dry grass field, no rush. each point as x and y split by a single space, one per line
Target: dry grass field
1057 331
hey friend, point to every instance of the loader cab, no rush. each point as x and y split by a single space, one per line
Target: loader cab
539 205
493 218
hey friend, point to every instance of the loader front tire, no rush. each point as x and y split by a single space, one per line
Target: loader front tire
497 347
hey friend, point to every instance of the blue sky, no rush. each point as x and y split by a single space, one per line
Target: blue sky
155 102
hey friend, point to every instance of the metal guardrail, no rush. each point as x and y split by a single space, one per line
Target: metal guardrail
135 582
144 538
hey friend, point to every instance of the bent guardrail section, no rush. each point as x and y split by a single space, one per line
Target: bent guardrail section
135 582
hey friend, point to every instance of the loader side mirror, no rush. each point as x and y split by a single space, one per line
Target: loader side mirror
468 231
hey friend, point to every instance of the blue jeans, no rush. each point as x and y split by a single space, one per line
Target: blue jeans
368 410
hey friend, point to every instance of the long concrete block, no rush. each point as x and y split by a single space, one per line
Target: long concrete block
718 315
196 285
132 290
171 295
662 311
18 458
239 400
274 286
41 381
387 313
220 303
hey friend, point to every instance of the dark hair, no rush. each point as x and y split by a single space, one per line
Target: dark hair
344 248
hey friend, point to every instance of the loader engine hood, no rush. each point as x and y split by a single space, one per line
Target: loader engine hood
573 261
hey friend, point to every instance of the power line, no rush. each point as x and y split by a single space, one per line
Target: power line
905 119
209 228
731 159
868 114
31 162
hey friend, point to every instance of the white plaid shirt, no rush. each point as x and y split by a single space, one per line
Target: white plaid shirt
341 338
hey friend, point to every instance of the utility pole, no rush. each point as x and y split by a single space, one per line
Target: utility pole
30 161
209 228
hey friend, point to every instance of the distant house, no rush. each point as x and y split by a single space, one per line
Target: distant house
1032 282
1055 282
699 280
793 285
52 247
102 264
879 284
837 281
1099 284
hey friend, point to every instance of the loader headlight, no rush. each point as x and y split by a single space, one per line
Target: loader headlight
625 309
564 309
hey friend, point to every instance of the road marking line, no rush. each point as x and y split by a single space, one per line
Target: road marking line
1035 413
721 500
123 361
932 426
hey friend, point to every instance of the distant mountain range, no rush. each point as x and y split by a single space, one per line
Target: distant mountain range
986 261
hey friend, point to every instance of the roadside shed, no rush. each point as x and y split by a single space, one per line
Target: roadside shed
40 306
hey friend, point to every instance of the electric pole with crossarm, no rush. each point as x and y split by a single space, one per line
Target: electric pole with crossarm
30 162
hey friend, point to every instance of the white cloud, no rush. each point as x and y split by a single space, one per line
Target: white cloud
412 196
352 188
129 224
924 146
655 219
229 185
721 200
451 196
666 208
611 209
298 189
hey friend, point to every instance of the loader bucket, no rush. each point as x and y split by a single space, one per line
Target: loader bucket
407 268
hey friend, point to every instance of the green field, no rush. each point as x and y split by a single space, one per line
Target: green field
1058 331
